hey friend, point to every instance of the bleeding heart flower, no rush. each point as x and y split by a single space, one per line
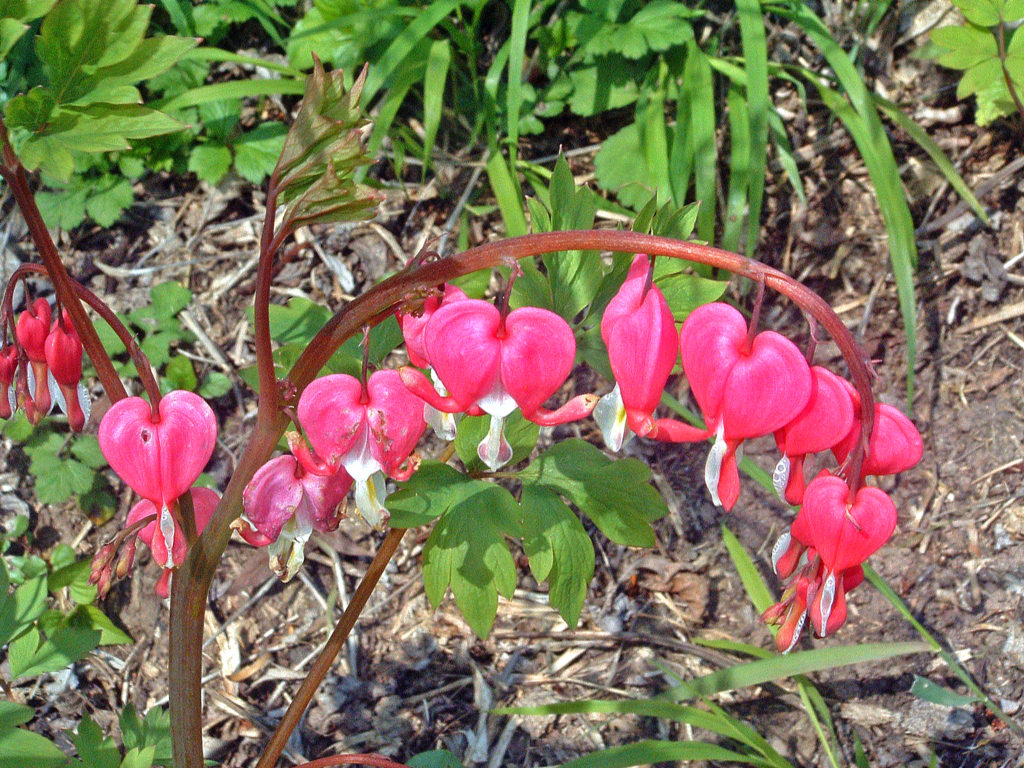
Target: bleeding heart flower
164 536
824 422
413 327
283 504
494 365
31 331
744 390
895 444
8 370
640 333
370 431
159 458
63 351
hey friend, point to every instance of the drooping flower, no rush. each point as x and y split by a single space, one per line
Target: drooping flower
413 327
164 536
744 389
8 370
828 542
159 458
639 331
494 364
31 331
63 351
369 430
823 423
284 503
895 445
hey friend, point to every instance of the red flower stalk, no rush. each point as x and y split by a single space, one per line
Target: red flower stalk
744 388
640 333
369 430
824 422
494 364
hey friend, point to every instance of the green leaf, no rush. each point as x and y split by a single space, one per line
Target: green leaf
506 191
86 448
429 493
215 384
559 550
616 495
210 161
436 758
91 617
25 749
66 645
648 752
750 577
256 151
181 374
467 551
110 197
685 292
19 610
520 433
30 111
153 732
13 714
94 750
620 167
169 299
984 13
927 690
58 479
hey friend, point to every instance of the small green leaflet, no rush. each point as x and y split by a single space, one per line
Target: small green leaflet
467 551
616 495
520 433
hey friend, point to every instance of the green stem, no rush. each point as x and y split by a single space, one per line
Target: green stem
1001 40
192 582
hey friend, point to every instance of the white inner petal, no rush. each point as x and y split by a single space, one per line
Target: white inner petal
359 462
370 495
444 424
713 467
288 552
780 548
780 477
494 450
497 402
825 601
167 532
797 632
610 415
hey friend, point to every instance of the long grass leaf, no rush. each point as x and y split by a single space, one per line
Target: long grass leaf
233 89
799 663
702 138
929 145
875 148
785 155
209 53
814 715
755 55
650 123
506 192
434 80
757 590
381 73
740 169
516 67
646 752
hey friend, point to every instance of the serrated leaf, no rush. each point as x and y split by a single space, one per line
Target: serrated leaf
609 84
685 292
154 731
25 749
63 208
91 617
58 479
66 645
210 161
94 750
616 495
559 550
30 111
256 151
19 610
468 552
521 435
429 493
110 197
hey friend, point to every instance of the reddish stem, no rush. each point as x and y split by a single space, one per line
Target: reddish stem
14 174
376 761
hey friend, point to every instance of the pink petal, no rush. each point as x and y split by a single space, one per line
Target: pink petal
332 415
537 356
463 348
824 421
845 535
413 326
395 417
710 342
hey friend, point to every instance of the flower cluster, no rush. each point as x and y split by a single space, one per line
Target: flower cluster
43 368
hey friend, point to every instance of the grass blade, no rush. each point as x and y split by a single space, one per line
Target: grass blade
234 89
702 138
516 65
646 752
740 170
506 192
757 590
209 53
755 54
434 80
799 663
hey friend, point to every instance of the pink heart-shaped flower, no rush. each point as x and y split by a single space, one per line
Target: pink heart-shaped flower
895 444
159 459
204 502
844 534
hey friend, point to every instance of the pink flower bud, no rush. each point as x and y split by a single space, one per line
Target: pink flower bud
31 331
64 357
640 333
823 423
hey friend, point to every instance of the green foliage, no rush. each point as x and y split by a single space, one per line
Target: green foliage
989 47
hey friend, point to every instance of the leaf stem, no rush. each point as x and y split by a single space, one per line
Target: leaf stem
331 648
1001 39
